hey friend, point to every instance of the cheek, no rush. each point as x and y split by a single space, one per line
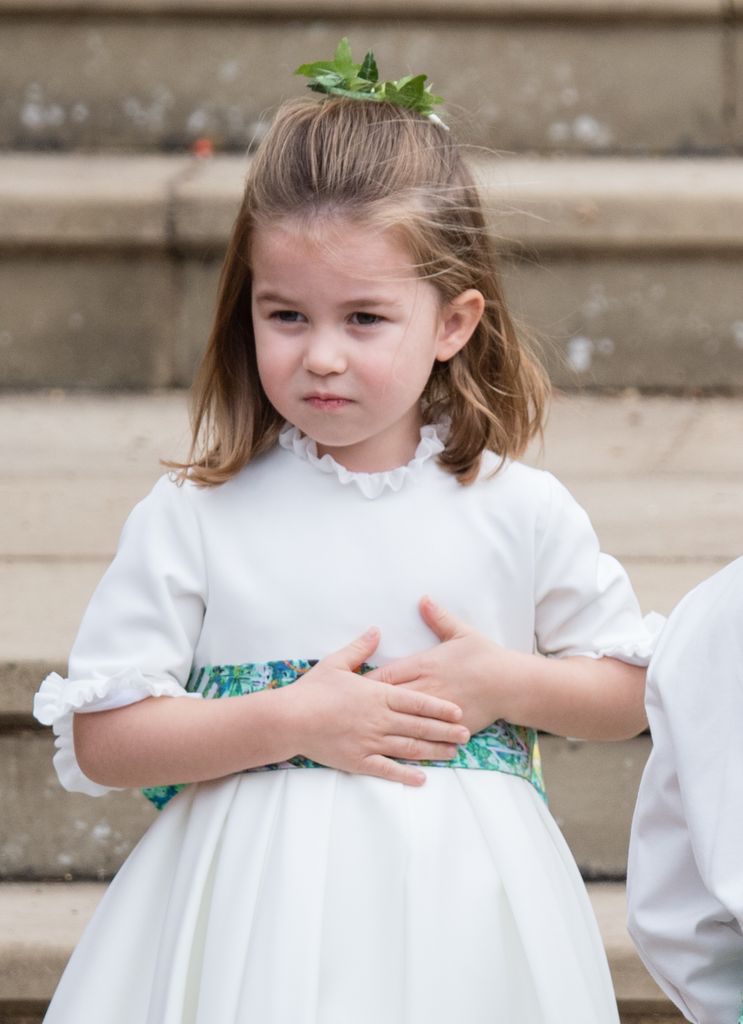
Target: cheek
270 365
410 365
400 380
382 374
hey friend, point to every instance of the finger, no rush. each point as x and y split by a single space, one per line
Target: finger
355 653
441 622
404 670
419 750
430 729
425 705
384 768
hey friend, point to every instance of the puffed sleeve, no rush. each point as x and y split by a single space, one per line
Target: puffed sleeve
585 604
685 870
140 629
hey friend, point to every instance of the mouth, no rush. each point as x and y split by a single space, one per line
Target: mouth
327 402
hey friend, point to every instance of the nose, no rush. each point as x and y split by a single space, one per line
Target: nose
324 354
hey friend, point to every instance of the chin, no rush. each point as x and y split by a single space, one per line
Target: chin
329 434
328 440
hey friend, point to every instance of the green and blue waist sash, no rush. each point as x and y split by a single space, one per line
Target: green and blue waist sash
501 747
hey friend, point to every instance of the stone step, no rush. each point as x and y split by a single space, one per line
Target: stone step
44 921
659 477
627 272
641 76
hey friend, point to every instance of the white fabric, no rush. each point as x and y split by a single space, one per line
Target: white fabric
685 882
60 699
313 897
138 634
309 895
371 485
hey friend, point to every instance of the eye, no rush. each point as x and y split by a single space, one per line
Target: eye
287 316
365 319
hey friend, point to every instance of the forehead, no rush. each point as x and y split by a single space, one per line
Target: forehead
342 247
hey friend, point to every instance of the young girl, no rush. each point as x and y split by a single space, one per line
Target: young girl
357 412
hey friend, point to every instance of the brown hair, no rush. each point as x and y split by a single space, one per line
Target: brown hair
370 162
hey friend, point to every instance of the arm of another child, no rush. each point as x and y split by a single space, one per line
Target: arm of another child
685 871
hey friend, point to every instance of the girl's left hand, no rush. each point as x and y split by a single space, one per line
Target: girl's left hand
465 667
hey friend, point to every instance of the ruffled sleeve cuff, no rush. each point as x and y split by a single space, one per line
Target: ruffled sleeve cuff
59 699
636 649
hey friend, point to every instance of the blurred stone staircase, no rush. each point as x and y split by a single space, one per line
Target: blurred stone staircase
618 195
626 252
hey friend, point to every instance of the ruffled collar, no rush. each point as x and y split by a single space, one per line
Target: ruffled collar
371 485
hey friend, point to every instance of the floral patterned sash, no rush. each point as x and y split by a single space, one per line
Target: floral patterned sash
501 747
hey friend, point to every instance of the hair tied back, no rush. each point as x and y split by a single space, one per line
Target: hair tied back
342 76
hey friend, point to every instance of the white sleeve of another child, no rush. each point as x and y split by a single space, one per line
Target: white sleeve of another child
138 634
685 875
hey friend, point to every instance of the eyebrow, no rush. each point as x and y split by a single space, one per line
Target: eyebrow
371 300
362 300
273 297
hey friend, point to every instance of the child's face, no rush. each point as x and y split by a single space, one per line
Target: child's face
346 335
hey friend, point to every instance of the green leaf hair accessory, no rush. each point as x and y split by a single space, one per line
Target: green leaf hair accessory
342 76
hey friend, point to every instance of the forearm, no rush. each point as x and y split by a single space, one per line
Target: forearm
331 715
166 740
589 698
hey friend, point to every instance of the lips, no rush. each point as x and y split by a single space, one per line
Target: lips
327 402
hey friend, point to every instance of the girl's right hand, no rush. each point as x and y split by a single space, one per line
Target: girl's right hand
347 721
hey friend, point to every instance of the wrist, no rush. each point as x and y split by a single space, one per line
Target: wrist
289 721
521 698
268 724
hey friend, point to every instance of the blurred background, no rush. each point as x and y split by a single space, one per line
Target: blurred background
608 139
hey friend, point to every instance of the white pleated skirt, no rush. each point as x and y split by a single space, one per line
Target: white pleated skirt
309 896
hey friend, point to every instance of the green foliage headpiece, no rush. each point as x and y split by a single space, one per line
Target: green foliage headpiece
343 77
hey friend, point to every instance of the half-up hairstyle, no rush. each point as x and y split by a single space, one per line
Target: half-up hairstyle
372 163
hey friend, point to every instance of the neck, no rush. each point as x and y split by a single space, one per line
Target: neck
378 454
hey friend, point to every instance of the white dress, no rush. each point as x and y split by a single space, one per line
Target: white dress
313 896
685 880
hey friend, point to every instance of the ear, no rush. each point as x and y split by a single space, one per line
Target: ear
459 318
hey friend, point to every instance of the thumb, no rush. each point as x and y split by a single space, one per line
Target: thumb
441 622
355 653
